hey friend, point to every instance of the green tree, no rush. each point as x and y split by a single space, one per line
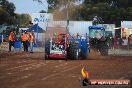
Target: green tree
3 16
11 8
55 4
22 20
63 9
7 15
52 3
111 11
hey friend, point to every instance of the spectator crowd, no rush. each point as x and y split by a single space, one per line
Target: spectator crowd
27 39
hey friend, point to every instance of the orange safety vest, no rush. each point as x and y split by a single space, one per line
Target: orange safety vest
31 37
10 38
24 37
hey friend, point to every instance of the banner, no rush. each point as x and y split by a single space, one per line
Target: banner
41 17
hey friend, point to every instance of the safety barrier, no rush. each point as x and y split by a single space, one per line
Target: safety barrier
121 47
4 45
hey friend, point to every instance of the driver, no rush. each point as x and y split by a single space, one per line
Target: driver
98 35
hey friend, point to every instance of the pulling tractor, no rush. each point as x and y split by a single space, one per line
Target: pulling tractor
98 40
64 46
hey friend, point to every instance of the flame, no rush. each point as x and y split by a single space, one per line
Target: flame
84 73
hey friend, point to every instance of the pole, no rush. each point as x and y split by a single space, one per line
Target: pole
2 37
67 30
37 37
46 39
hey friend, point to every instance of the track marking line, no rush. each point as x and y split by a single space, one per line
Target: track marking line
61 65
2 77
21 66
3 65
25 69
9 73
25 65
125 75
21 62
63 68
21 78
60 72
33 67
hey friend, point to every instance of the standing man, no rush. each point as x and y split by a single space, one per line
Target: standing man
14 34
24 38
31 38
34 39
130 41
11 40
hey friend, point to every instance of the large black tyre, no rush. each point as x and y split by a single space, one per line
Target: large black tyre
104 51
73 54
46 57
47 49
76 54
85 56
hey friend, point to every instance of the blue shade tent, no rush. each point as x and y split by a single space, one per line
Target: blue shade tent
35 28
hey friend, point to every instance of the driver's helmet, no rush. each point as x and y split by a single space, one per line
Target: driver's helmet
98 35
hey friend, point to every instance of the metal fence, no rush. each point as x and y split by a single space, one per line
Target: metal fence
121 47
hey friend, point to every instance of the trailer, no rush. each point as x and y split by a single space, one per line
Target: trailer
65 46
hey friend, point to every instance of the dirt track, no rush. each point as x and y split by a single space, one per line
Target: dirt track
27 70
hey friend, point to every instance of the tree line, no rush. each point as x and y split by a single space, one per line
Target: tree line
9 17
110 11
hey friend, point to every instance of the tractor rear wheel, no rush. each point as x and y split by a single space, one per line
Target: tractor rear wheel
104 51
76 54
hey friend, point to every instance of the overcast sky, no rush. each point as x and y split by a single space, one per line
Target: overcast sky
29 6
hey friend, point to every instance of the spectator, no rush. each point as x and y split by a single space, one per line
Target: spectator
130 41
11 40
24 38
31 38
14 34
115 42
18 36
34 39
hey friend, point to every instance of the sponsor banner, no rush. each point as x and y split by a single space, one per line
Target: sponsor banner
41 17
110 82
86 81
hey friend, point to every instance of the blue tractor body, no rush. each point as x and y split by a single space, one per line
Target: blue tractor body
79 47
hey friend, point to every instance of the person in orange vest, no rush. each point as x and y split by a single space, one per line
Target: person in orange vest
31 39
24 38
34 39
11 41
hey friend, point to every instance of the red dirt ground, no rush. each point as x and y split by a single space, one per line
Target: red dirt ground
25 70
